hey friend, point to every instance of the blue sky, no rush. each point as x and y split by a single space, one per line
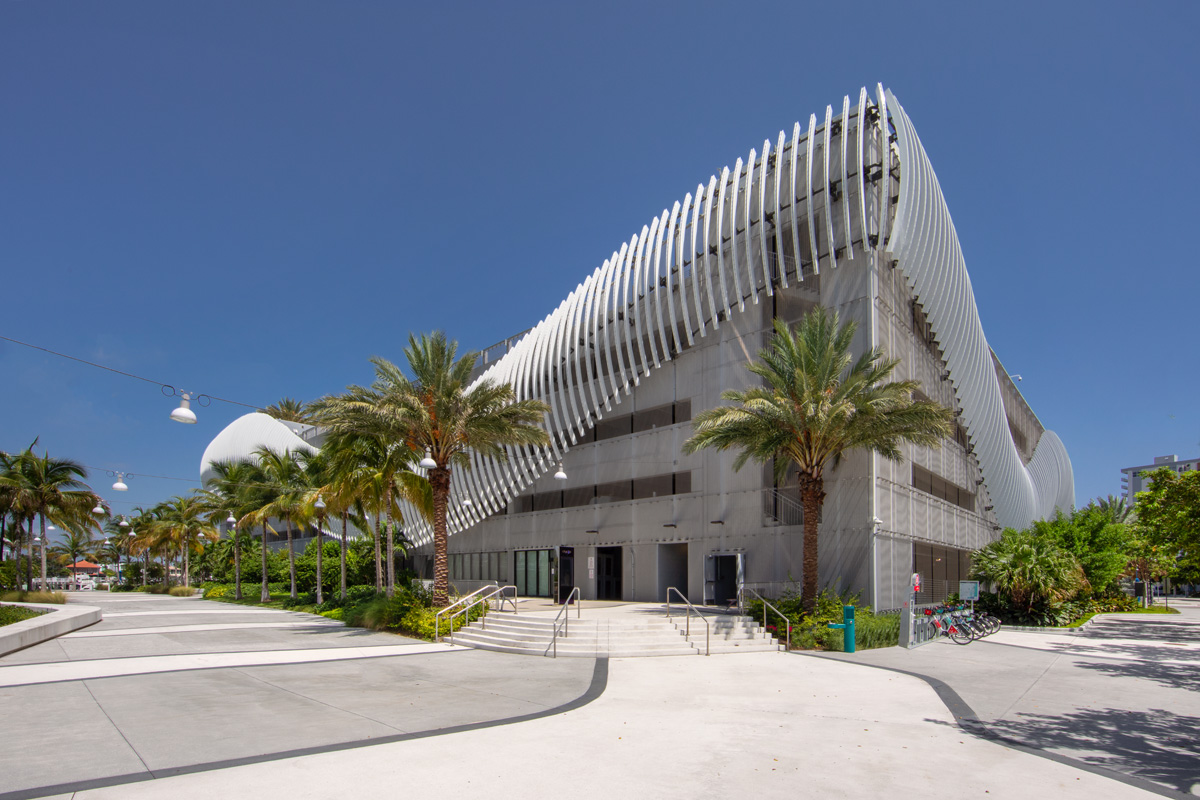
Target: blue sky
249 199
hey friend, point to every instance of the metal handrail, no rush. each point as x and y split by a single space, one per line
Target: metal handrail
437 617
566 626
766 605
687 635
482 599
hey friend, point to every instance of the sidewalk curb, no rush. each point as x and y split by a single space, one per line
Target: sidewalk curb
54 621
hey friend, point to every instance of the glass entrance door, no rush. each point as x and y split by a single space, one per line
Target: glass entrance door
532 571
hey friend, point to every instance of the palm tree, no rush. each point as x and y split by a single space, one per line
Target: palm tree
77 544
289 410
183 522
378 473
818 404
435 413
288 483
48 488
231 492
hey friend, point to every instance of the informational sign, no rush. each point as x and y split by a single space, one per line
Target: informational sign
591 574
591 563
968 590
915 582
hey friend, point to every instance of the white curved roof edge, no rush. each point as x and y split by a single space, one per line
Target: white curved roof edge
924 241
247 433
595 317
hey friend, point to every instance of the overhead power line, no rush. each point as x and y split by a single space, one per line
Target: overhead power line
120 372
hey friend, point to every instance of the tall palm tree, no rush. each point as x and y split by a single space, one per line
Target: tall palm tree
287 482
380 473
289 410
183 521
435 413
818 404
231 492
49 489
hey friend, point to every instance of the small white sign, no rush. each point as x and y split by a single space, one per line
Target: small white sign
968 590
591 562
591 574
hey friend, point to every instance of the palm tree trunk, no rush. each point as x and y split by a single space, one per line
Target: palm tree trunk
391 545
345 515
43 519
812 495
266 591
28 558
237 566
291 555
187 563
320 547
439 481
145 565
378 558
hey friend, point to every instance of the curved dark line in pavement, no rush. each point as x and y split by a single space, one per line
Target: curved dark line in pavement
966 719
596 688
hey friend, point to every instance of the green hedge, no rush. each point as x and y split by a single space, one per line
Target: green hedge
11 614
813 632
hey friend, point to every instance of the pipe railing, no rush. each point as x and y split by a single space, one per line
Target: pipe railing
496 591
687 635
465 598
766 604
565 613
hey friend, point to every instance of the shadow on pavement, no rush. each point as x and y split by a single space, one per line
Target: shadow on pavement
1155 745
1165 630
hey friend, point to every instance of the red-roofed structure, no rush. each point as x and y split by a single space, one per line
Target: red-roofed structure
86 568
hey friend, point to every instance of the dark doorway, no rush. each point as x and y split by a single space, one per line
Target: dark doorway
608 573
566 573
723 579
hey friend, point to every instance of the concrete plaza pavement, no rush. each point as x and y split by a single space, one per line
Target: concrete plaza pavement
1121 695
448 719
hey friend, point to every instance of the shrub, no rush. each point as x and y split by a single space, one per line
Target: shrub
335 613
34 597
122 587
181 591
11 614
302 599
154 588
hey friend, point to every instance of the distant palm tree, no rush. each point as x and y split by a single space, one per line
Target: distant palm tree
819 403
231 492
76 545
289 410
434 413
379 474
49 489
184 523
288 485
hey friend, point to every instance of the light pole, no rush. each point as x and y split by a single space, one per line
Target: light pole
320 507
231 522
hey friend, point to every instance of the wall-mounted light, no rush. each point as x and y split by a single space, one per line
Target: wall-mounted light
591 531
717 522
988 508
669 525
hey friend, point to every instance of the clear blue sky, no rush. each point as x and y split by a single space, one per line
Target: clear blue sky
249 198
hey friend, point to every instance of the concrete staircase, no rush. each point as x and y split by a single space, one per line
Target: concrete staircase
614 637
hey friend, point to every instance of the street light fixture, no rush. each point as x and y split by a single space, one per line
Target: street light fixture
99 509
427 462
560 475
120 485
184 413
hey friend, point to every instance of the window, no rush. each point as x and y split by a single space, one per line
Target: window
925 481
657 486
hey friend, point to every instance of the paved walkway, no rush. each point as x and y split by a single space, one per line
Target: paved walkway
1123 695
343 713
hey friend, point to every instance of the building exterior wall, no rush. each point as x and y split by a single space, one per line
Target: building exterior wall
1132 481
845 214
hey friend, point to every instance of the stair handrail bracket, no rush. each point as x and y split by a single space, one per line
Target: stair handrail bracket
464 604
766 604
687 634
565 614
